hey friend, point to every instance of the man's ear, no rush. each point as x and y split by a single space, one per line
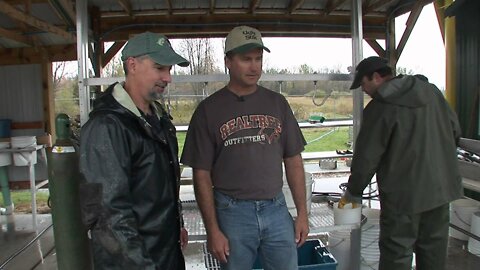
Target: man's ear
131 64
376 77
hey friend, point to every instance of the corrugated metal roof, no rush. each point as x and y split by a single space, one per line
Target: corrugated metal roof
52 22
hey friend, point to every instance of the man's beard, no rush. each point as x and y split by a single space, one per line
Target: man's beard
154 95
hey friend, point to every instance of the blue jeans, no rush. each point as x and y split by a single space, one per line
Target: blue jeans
257 227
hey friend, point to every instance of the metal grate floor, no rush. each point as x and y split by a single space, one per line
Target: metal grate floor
210 262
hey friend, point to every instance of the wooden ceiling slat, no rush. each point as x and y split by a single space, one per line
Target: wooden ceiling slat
127 6
32 21
169 6
64 9
376 5
15 36
38 55
254 5
332 5
294 5
212 6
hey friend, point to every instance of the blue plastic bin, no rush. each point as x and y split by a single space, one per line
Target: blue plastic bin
313 255
5 128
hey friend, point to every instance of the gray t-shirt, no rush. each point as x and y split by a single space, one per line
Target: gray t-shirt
243 141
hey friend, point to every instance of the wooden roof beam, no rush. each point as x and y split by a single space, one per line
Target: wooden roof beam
212 6
440 11
37 23
411 21
376 5
112 51
15 36
376 47
64 9
254 5
38 55
169 6
332 5
127 6
294 5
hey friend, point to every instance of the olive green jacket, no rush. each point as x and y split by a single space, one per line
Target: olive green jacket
408 138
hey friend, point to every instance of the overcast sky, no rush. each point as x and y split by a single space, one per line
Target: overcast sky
424 52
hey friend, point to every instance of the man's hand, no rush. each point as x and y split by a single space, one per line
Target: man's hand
218 246
183 238
344 201
301 230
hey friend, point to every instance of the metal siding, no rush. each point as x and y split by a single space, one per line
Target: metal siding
46 14
21 87
23 104
468 68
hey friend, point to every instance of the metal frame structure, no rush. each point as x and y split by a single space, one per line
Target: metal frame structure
84 82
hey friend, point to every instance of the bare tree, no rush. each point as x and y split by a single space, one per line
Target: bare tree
58 73
200 53
114 68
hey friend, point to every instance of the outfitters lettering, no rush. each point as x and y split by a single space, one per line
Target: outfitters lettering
269 128
249 35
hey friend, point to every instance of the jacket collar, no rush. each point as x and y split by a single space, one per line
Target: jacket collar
123 98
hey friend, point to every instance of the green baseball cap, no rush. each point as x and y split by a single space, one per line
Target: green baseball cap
243 39
156 46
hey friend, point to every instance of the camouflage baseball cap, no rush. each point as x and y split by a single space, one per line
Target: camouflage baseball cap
156 46
243 39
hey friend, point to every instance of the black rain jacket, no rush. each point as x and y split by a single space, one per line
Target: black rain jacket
130 200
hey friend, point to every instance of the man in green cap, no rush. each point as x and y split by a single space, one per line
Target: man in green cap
236 143
129 158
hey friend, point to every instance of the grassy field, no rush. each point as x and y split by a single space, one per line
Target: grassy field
318 139
22 201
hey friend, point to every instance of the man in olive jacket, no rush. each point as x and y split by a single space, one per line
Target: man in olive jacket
408 138
129 160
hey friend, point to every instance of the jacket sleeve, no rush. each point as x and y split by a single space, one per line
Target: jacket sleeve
105 163
371 144
457 131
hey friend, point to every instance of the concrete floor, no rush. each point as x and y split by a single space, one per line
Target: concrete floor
15 235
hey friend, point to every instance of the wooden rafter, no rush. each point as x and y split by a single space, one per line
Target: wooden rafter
376 5
37 23
412 19
332 5
212 6
440 18
376 47
15 36
169 6
112 51
254 5
31 55
127 6
294 5
64 9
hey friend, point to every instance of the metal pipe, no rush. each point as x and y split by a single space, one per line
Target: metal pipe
22 249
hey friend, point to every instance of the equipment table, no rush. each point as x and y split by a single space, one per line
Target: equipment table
31 173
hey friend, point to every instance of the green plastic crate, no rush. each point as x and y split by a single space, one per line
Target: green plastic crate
313 255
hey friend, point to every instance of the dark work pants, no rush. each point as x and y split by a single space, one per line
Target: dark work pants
424 233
